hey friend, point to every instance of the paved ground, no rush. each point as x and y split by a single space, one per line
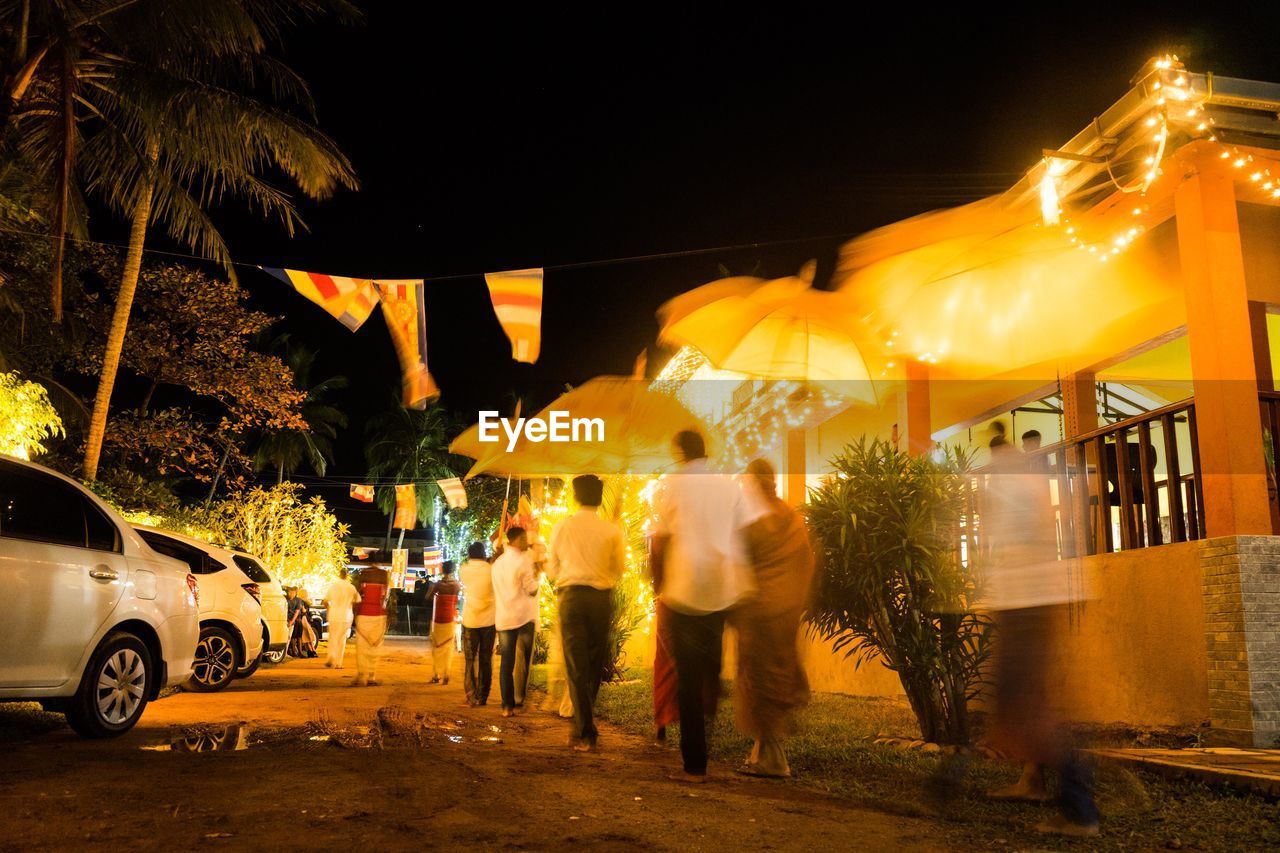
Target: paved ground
304 760
1256 770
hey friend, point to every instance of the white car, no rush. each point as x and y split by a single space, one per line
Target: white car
231 636
96 623
275 611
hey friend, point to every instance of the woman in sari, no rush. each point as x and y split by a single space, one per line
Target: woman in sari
771 682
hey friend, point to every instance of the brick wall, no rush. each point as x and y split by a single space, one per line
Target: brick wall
1242 631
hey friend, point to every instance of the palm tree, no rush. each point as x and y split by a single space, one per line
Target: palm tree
286 450
187 127
411 446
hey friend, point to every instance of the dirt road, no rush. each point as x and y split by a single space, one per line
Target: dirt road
404 765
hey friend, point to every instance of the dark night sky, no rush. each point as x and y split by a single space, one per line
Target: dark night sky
486 141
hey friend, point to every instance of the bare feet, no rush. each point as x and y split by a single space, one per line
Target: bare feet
690 778
1020 793
508 712
1059 825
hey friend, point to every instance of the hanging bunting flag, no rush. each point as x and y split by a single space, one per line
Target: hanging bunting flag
517 300
349 300
364 494
432 559
454 493
406 507
402 306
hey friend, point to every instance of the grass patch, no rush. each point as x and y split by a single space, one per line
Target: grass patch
22 720
831 750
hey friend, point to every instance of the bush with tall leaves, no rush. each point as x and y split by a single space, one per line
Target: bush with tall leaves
892 586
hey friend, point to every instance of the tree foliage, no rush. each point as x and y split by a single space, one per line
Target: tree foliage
193 331
286 448
27 418
892 585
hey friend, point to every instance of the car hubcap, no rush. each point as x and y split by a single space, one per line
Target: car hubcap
215 660
121 685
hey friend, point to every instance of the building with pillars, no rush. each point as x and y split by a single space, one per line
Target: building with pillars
1123 300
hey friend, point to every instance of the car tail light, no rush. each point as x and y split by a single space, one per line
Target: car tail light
194 586
254 590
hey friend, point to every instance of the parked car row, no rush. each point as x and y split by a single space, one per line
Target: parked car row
102 615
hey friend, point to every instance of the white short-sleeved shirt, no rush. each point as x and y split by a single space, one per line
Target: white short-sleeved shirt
515 589
340 597
477 587
703 513
586 550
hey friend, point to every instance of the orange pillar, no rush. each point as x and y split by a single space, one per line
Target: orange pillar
1220 332
797 461
915 422
1080 416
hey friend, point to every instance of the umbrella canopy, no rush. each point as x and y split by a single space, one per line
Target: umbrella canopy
638 424
779 329
980 290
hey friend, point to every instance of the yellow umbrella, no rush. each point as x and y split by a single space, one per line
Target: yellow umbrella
780 329
638 425
981 290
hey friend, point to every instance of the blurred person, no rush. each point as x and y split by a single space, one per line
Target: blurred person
771 682
558 700
442 598
371 623
698 551
299 623
586 558
1028 593
515 597
478 631
339 600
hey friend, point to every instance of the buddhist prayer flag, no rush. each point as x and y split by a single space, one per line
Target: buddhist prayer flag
364 494
349 300
517 300
454 493
406 507
406 316
432 559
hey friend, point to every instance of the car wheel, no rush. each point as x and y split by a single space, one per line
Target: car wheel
275 657
114 688
215 663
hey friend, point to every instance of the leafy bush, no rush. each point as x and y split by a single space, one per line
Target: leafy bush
27 418
893 586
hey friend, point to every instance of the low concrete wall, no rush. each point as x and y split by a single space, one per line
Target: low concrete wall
1134 653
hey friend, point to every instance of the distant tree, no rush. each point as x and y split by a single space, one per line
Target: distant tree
411 446
286 449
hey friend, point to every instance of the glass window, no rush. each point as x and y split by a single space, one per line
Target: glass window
252 568
102 534
39 507
196 559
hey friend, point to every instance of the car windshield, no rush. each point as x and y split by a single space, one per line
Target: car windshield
252 568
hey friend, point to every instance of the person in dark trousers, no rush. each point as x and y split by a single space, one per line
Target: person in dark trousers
698 553
478 631
515 595
586 558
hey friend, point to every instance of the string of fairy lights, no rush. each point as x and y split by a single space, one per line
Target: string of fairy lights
1177 105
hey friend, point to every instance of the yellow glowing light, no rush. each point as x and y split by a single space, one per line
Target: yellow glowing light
1239 163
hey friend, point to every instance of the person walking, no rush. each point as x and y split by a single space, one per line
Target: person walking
371 623
515 597
442 597
478 631
698 552
339 600
585 557
771 682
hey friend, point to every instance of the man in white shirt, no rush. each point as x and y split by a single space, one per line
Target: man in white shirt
478 631
700 570
586 559
515 598
339 599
